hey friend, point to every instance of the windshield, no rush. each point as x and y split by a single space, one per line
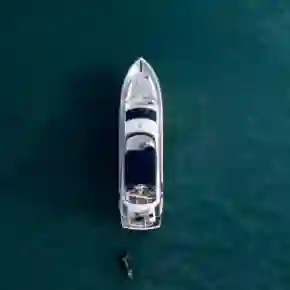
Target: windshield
138 113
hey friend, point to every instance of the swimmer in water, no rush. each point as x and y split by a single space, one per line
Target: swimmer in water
126 262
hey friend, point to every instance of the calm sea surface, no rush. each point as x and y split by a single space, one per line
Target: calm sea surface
224 68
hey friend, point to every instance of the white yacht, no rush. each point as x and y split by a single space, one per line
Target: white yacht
141 149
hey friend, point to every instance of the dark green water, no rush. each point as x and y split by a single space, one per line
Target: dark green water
224 67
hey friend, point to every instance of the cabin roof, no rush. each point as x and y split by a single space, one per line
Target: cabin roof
139 141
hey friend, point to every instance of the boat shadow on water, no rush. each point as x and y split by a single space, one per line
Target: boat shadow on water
75 163
93 142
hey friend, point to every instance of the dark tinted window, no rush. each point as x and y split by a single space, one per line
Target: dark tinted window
141 113
140 167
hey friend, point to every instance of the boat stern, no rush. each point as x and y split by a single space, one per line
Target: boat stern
139 219
139 226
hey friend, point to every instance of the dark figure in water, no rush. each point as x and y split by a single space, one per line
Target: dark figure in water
127 264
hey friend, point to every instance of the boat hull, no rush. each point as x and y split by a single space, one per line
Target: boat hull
141 122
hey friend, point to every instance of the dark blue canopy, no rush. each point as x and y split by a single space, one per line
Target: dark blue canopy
140 167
